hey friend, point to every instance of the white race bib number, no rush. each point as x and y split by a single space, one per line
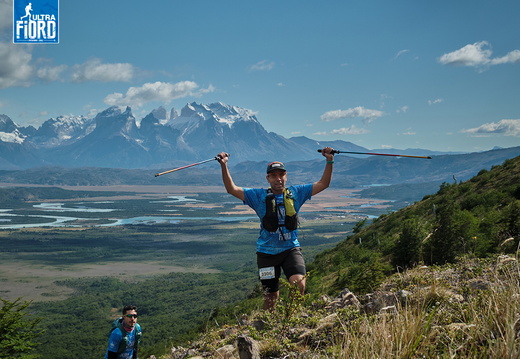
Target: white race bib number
266 273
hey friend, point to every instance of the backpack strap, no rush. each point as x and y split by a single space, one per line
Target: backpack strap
123 344
138 335
124 340
270 219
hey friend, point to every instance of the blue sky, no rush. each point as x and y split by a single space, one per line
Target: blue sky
441 75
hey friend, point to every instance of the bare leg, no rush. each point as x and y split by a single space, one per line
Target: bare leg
298 280
270 300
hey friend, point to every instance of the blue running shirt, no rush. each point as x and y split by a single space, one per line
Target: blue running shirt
115 339
276 242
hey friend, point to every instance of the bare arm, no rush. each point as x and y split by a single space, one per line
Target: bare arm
324 182
231 187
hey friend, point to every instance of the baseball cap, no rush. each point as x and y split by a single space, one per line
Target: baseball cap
275 166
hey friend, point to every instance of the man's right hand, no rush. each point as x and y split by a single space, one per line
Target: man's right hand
223 157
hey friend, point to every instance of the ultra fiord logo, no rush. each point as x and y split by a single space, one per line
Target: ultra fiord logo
35 21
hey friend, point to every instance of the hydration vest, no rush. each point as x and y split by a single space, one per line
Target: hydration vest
118 323
270 221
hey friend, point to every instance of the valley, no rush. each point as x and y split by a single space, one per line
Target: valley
137 232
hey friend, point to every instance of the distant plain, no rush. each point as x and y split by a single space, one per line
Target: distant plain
174 229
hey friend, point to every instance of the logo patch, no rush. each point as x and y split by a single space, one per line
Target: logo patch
35 21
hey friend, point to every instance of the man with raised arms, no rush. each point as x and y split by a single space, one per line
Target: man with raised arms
277 247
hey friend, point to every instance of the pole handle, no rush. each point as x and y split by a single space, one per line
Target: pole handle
333 151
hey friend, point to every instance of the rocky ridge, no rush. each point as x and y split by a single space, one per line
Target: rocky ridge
469 308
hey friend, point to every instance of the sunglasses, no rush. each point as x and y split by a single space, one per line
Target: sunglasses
131 316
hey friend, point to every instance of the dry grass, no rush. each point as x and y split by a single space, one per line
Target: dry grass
467 310
440 322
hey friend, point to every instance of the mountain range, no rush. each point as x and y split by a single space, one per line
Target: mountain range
114 138
114 148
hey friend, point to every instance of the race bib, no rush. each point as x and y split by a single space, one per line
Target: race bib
266 273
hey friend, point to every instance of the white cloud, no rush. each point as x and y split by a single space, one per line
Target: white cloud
95 70
17 68
15 65
436 101
502 127
156 91
6 14
477 55
469 55
512 57
367 115
352 130
402 109
15 60
400 53
50 73
263 65
92 112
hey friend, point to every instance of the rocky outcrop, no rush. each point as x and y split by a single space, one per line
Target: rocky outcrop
311 332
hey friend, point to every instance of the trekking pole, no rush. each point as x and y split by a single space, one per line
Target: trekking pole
378 154
183 167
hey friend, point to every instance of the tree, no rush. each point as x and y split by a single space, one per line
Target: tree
455 234
406 252
359 226
17 331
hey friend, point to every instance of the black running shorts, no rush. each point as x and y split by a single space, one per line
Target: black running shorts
270 266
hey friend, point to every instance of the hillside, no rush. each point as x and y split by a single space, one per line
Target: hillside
461 310
477 217
436 279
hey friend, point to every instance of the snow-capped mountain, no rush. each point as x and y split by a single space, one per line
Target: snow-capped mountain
205 130
114 142
115 138
10 131
192 113
63 129
162 115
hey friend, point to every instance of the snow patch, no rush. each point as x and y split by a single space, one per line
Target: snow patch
13 137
